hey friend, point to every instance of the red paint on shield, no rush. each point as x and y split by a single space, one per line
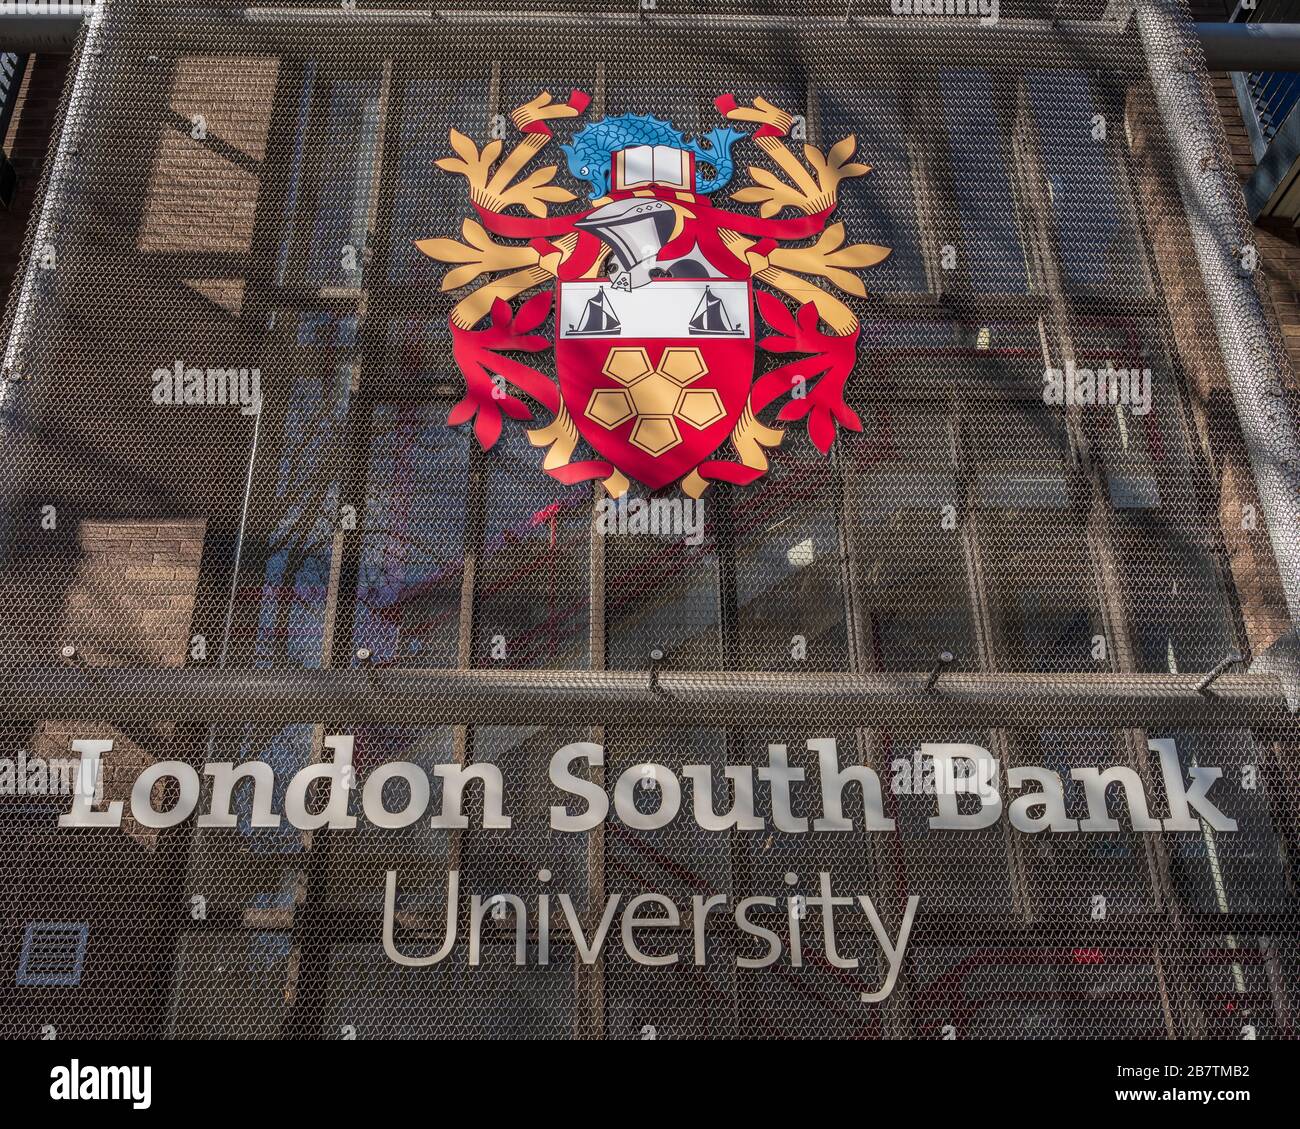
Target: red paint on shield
629 425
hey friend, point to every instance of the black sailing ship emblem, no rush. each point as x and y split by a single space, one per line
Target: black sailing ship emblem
711 318
597 318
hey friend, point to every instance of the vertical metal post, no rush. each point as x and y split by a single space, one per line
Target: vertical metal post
80 100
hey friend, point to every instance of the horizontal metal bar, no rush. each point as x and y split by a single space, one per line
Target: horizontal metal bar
277 27
679 698
1228 46
1074 43
42 33
946 38
629 15
1250 47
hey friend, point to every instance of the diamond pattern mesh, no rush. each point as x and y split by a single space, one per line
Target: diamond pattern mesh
204 582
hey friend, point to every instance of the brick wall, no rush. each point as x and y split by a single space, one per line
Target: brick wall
133 595
129 599
1279 271
130 603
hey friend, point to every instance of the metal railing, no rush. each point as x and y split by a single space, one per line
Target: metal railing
1267 97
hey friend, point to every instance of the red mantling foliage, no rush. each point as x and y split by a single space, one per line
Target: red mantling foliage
479 353
814 383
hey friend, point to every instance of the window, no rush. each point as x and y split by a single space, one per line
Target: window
53 955
991 256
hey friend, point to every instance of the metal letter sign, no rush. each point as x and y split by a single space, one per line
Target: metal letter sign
654 293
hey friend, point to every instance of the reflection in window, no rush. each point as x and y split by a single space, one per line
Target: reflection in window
1242 871
1077 991
1095 242
291 612
963 872
881 206
817 1001
1141 447
1175 580
230 986
679 1001
1245 987
367 992
1043 599
1065 872
332 190
681 859
507 861
265 882
354 885
933 354
1044 605
532 592
426 201
1177 594
346 182
417 356
768 855
412 548
1018 451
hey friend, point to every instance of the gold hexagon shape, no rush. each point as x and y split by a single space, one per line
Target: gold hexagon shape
700 407
627 365
655 395
655 434
609 407
682 365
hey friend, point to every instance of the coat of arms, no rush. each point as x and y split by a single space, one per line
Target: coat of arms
657 294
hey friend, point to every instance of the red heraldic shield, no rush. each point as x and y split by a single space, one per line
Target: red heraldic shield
655 376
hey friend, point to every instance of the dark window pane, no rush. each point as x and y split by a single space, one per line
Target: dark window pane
910 581
790 564
992 259
661 593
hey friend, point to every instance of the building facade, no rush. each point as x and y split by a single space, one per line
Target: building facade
320 456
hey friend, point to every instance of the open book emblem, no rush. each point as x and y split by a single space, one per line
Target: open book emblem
644 165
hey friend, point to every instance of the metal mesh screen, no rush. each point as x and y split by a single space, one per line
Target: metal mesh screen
251 569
